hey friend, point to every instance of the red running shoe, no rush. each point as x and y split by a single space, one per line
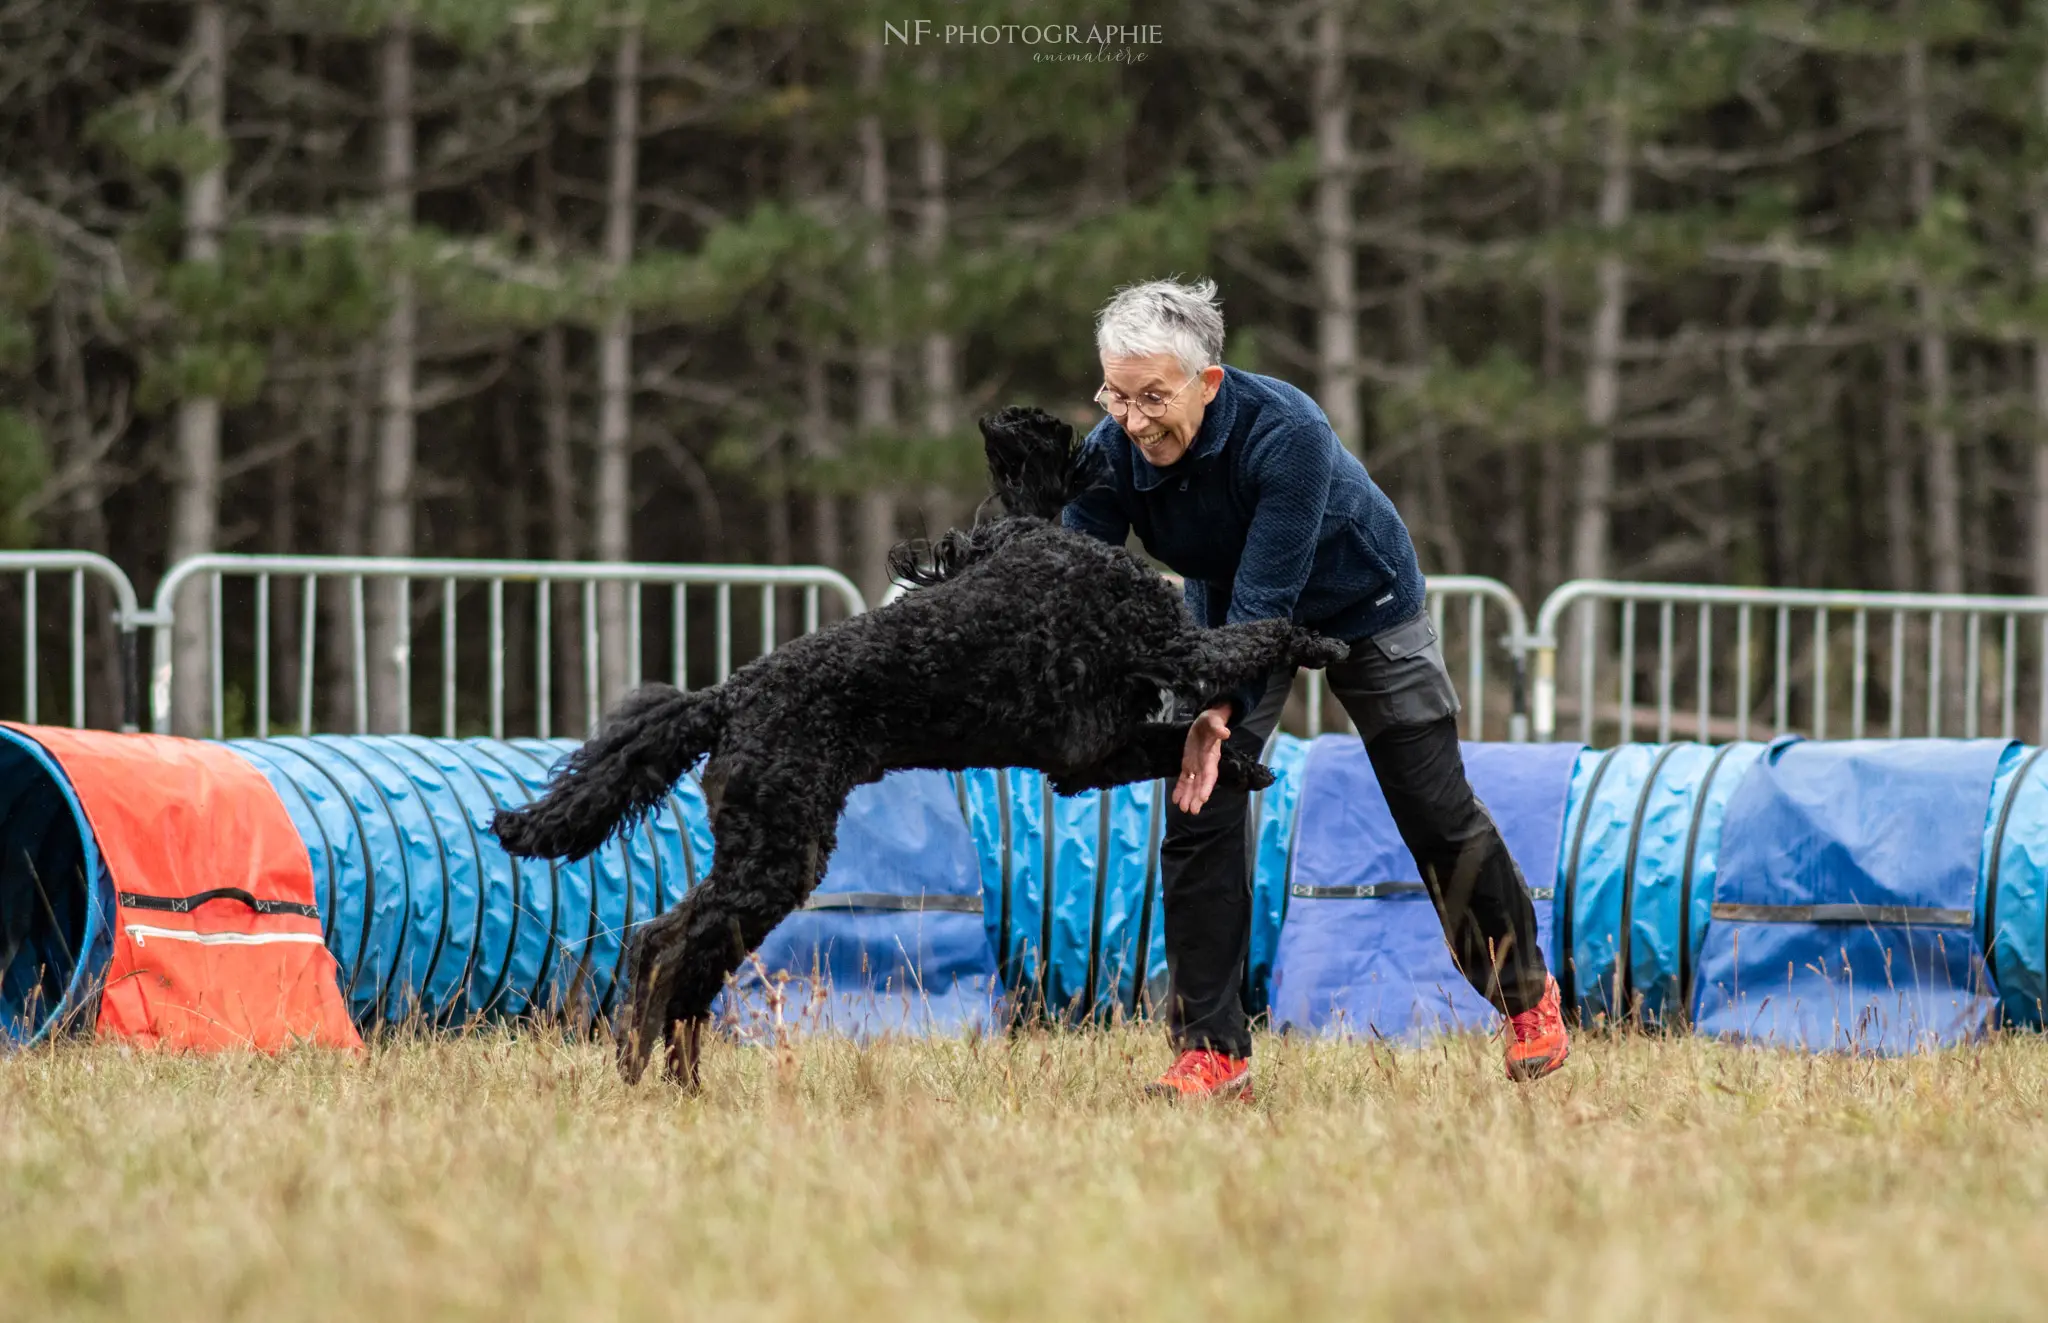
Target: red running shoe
1205 1075
1538 1044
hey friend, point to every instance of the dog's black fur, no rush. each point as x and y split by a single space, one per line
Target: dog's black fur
1028 645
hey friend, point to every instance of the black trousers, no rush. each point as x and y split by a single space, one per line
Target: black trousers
1399 695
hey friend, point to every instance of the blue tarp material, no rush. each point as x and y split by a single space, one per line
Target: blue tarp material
1846 902
892 942
1098 950
2014 897
55 934
1375 963
1642 840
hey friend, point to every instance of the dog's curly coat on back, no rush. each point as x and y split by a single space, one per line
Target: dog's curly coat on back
1028 645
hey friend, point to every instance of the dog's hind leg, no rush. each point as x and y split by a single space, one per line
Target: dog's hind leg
773 835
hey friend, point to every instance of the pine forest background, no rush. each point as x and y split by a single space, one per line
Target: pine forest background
1741 292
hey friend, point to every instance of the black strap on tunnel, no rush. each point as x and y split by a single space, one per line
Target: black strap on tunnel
1383 891
135 900
1155 825
894 902
582 980
1624 952
383 746
1567 973
1692 845
2012 794
547 958
398 834
1048 873
290 744
1101 896
1006 958
450 767
1896 916
518 889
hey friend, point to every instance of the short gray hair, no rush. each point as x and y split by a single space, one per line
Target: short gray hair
1163 317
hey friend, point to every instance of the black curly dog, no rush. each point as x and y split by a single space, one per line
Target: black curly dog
1027 646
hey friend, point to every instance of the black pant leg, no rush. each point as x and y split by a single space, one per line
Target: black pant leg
1206 884
1480 895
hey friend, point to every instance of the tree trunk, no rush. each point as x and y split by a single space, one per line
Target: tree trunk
195 499
1336 253
1900 544
1437 521
1944 486
565 532
1591 543
391 516
1551 502
87 525
2038 524
358 445
1938 435
615 367
875 407
941 366
820 441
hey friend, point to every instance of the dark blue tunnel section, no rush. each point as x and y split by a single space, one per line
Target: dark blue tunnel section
1846 911
56 899
892 941
1362 951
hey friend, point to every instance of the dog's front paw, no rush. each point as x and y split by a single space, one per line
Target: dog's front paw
1316 651
1237 771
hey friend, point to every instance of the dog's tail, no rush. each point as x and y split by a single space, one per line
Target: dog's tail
619 776
1035 465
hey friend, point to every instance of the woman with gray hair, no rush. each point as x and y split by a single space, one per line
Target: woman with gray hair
1237 483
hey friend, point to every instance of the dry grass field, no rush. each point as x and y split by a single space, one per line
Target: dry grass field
502 1178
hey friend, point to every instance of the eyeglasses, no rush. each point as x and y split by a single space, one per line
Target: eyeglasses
1150 403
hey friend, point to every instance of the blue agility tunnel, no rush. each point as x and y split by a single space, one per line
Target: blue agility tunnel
1636 883
1362 950
1847 906
2014 897
429 918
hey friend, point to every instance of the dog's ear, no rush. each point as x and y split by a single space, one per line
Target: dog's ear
1030 459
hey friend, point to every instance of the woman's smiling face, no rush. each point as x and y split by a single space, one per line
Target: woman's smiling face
1135 386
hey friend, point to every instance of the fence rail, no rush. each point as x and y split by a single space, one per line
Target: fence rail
24 572
1614 659
1864 661
354 674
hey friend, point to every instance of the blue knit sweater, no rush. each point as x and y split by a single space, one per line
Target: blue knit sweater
1265 515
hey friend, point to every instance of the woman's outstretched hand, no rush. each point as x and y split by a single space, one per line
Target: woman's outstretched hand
1198 762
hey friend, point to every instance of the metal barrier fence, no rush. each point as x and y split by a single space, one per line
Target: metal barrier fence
25 573
1611 659
424 589
1743 660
